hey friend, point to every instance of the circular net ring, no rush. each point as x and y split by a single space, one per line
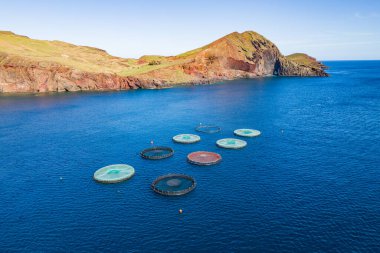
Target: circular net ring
156 153
173 184
209 129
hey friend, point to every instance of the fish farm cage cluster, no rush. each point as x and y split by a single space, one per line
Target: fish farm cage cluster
177 184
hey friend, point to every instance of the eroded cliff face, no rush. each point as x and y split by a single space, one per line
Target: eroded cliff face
16 78
23 75
58 67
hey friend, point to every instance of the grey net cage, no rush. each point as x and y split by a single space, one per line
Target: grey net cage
173 184
209 129
156 153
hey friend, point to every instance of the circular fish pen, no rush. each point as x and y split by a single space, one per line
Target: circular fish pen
114 173
186 138
247 132
209 129
231 143
173 184
204 158
156 153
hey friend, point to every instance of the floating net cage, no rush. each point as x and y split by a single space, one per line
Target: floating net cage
186 138
114 173
204 158
231 143
156 153
173 184
247 132
208 129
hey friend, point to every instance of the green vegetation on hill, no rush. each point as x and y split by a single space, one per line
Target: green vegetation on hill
304 60
79 57
192 52
82 58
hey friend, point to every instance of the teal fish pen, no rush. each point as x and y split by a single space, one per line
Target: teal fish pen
247 132
231 143
186 138
114 173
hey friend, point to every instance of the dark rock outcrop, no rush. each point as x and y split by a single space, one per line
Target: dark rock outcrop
285 67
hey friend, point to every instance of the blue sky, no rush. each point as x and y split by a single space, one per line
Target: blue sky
328 30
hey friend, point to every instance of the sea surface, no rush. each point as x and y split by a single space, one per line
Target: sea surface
309 183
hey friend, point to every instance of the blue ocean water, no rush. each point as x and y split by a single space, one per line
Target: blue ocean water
309 183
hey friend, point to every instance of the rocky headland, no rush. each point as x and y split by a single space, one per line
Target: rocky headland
28 65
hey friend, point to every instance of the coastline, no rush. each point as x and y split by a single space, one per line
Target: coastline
153 87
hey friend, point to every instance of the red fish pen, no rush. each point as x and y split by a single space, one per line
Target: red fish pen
204 158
